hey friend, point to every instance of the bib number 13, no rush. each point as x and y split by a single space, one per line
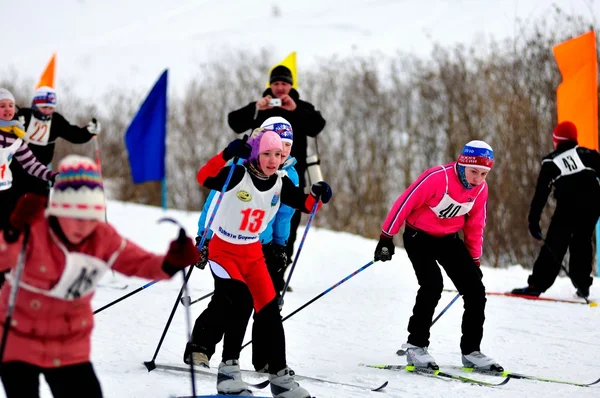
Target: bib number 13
252 220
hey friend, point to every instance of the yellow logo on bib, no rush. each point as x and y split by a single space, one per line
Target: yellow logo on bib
244 196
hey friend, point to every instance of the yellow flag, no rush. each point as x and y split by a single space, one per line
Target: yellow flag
47 78
577 94
290 63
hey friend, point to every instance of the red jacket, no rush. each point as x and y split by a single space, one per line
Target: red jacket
48 331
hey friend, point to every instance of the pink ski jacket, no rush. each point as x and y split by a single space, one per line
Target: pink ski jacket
417 203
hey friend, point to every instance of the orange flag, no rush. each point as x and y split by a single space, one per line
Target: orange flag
47 78
577 95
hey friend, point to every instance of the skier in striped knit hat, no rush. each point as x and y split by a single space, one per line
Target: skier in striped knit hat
12 146
52 324
441 202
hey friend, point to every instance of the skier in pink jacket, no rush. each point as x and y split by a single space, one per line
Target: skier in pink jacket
440 203
67 253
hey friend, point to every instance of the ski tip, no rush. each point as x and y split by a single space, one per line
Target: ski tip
381 387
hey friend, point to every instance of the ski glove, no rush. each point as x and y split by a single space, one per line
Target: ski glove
237 148
29 209
203 260
94 127
321 190
385 248
278 257
535 230
180 255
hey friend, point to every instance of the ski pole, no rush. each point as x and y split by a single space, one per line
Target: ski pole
367 265
151 365
402 352
188 316
13 294
187 301
591 303
289 278
139 289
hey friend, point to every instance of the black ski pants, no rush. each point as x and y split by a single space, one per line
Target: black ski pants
22 380
572 228
425 252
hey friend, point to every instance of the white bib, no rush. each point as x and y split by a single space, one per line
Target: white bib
245 211
569 162
38 131
6 157
80 276
448 207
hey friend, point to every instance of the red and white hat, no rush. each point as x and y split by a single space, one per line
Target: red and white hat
78 190
564 131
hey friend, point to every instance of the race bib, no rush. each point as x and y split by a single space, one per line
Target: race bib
569 162
38 131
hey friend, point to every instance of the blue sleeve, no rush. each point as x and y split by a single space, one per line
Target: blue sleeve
283 218
203 216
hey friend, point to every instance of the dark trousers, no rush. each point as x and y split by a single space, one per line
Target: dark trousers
22 380
227 316
289 248
568 230
451 253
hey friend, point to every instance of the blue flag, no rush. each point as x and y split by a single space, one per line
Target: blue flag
146 136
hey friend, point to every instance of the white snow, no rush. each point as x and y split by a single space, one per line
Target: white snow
362 320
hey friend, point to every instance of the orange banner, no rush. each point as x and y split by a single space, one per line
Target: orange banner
47 78
577 95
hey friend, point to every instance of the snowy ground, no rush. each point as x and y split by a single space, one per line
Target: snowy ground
363 320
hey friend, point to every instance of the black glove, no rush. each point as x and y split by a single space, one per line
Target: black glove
203 260
385 248
535 230
321 190
279 256
237 148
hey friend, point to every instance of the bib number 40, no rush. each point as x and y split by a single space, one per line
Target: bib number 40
252 220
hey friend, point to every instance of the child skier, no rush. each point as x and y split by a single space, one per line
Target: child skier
67 253
440 203
209 327
252 198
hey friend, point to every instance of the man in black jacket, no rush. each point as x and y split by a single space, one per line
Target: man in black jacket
574 173
304 118
43 126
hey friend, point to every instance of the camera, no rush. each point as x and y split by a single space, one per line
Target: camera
275 102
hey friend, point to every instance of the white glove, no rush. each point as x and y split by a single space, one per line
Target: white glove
94 127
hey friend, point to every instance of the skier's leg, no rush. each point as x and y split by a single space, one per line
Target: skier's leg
464 273
421 251
581 251
21 380
73 381
547 265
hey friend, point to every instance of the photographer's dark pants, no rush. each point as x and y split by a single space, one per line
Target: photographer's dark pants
450 251
22 380
571 228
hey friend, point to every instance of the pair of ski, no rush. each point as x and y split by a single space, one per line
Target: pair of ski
263 384
506 374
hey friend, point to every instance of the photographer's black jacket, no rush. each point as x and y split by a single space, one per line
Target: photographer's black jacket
306 121
575 192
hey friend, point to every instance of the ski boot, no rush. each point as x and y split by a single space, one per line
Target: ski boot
419 357
527 291
477 360
195 354
283 385
229 379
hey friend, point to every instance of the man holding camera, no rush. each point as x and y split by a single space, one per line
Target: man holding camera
280 99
